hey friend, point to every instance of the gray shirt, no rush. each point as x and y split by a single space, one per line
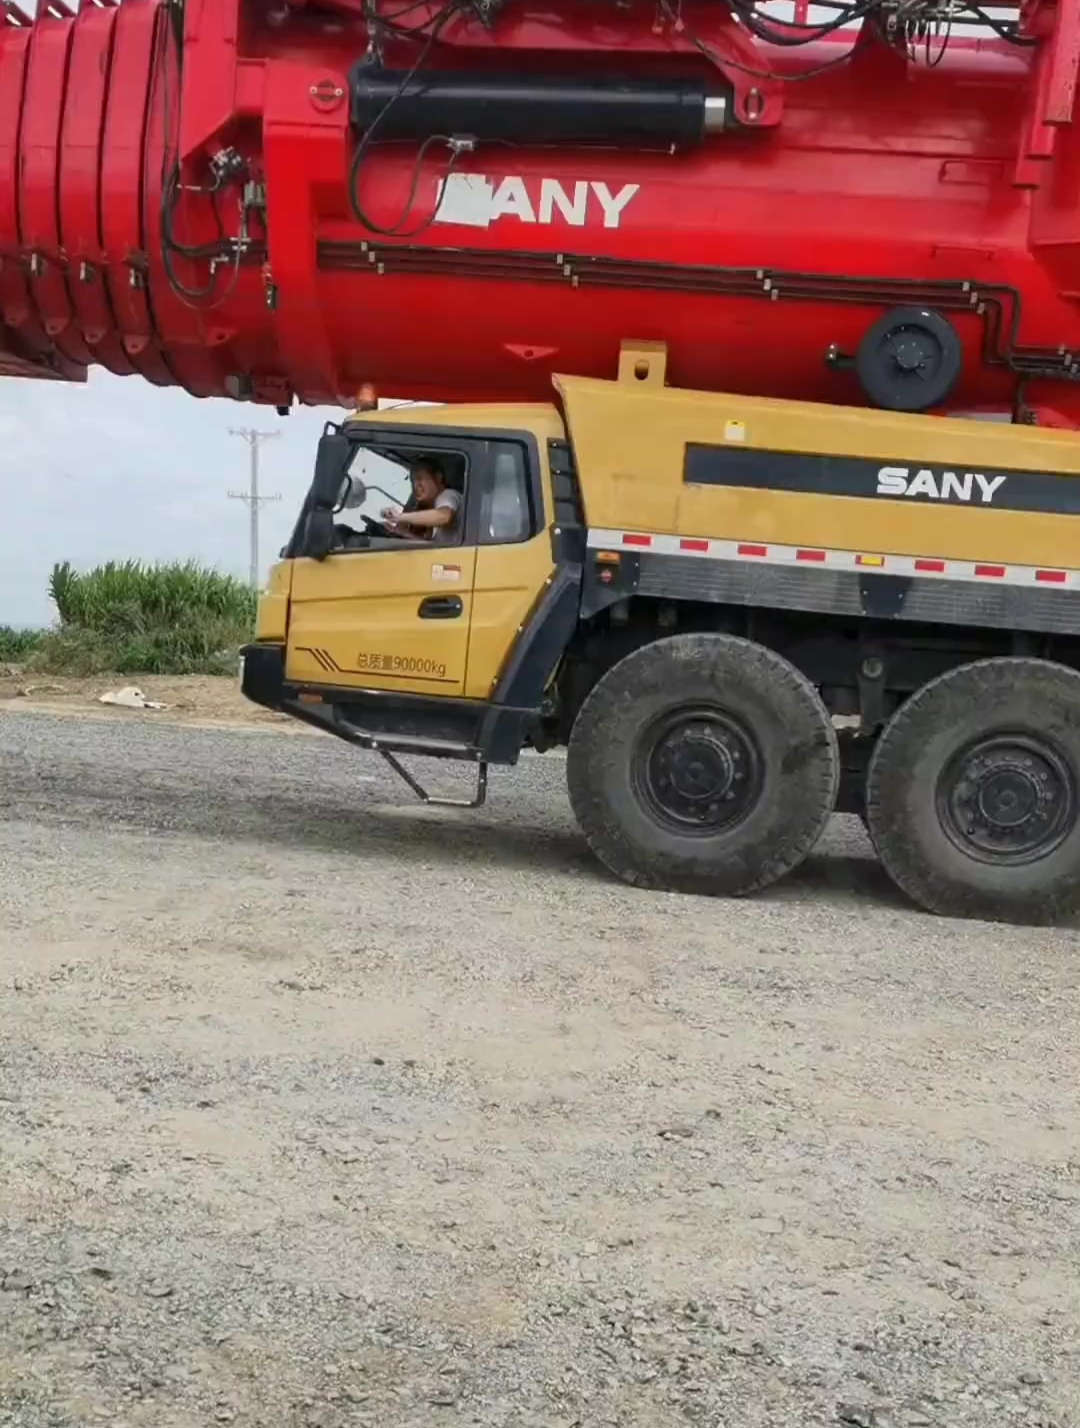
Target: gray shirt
448 534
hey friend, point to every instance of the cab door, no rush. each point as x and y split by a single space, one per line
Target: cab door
514 559
392 615
383 618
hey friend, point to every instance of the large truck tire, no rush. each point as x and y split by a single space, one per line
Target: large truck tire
973 792
702 763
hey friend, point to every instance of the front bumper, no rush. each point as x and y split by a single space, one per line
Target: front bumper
262 674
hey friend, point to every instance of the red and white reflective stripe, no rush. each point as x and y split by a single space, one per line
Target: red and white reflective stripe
924 566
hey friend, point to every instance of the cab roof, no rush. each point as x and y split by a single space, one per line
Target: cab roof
539 417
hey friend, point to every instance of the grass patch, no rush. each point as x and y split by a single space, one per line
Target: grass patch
130 618
17 646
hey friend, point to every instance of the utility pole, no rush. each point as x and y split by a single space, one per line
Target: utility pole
252 497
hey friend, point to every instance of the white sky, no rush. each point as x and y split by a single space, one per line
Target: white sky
117 469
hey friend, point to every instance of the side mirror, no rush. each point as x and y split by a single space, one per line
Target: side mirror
355 496
329 485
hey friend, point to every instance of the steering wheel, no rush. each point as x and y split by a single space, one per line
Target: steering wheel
379 530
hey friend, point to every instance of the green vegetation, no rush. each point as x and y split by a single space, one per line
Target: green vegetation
132 618
16 646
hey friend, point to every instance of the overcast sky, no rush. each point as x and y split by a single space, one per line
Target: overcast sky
117 469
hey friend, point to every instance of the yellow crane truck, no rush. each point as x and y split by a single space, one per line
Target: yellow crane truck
688 590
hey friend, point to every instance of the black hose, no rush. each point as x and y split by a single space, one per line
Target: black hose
364 146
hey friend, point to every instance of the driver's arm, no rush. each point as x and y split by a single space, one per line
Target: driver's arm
439 516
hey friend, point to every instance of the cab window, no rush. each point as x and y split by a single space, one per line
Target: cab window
507 515
385 487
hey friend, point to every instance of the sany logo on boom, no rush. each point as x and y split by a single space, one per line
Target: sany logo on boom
477 201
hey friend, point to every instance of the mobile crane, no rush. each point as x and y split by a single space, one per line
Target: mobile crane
805 246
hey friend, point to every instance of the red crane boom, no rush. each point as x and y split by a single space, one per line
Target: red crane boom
280 200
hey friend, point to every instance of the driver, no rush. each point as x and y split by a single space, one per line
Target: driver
437 507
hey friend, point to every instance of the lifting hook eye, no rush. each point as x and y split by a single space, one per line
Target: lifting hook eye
752 106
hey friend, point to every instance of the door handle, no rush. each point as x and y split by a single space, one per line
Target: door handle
441 607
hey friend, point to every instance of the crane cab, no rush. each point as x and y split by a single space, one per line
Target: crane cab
411 635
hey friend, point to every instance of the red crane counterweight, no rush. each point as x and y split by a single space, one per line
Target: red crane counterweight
452 199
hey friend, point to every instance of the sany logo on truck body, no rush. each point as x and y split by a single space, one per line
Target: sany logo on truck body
938 485
477 201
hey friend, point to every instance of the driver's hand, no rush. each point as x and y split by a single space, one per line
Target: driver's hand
389 515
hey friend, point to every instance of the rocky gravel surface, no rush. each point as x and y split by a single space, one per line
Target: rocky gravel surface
321 1109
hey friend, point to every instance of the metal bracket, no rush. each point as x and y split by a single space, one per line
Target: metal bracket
882 597
871 683
422 794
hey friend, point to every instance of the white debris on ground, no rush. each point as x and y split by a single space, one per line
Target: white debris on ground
27 691
130 698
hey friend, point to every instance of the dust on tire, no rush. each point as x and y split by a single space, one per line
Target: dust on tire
749 684
1030 704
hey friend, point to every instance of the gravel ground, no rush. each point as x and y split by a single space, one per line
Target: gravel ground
318 1108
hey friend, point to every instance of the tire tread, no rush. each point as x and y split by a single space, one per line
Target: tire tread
990 891
613 700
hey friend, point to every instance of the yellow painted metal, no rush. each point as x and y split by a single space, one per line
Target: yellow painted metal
643 363
630 440
511 579
538 417
271 621
355 620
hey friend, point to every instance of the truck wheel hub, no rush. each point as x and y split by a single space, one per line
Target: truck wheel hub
699 769
908 355
1007 799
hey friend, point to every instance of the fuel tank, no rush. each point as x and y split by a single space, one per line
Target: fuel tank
280 202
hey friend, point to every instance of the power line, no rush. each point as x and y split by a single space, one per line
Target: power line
252 499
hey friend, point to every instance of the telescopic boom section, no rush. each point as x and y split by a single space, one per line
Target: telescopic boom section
282 200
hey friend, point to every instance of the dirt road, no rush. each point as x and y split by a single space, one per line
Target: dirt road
187 699
319 1109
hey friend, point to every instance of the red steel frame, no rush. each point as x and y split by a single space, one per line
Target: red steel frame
752 256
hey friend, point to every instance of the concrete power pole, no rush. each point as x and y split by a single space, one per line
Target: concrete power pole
251 497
